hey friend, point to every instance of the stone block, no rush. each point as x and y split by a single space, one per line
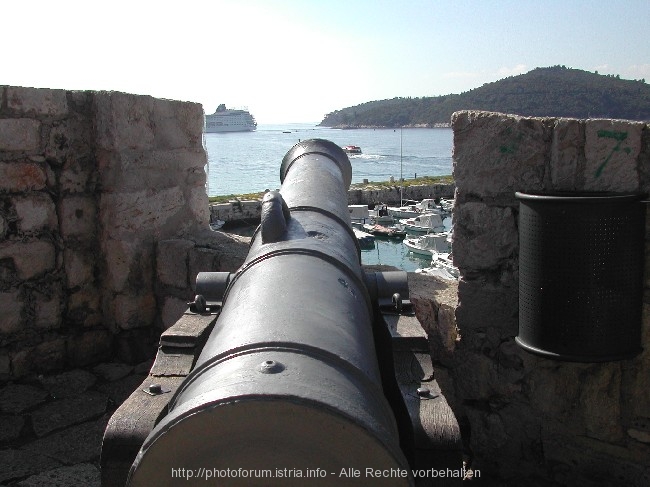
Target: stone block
200 213
69 139
21 365
30 259
90 347
20 134
79 267
5 365
74 445
48 356
16 464
82 474
172 262
84 307
554 392
582 461
128 264
484 236
131 311
35 213
47 310
173 308
177 124
202 260
18 177
79 174
567 155
78 217
69 383
230 250
196 177
644 161
635 384
17 398
12 307
483 305
123 121
144 213
125 171
600 399
496 154
112 371
68 411
11 428
611 151
34 102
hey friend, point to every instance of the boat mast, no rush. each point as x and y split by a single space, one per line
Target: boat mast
401 178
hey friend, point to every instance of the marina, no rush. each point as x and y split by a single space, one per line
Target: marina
247 162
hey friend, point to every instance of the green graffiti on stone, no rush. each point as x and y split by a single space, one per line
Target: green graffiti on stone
619 137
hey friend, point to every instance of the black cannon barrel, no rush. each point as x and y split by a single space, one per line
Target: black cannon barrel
287 385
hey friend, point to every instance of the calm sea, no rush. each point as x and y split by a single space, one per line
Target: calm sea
249 162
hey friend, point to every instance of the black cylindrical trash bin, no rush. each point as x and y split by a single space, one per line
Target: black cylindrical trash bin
581 275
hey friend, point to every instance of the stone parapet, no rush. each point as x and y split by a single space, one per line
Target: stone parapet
529 417
90 183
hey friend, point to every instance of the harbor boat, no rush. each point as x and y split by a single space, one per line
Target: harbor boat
442 265
229 120
429 244
359 214
411 209
366 241
379 215
382 231
427 223
352 149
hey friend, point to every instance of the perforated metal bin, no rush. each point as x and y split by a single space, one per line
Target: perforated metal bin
581 275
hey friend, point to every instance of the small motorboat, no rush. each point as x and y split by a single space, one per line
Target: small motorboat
427 223
366 241
382 231
442 266
429 244
352 149
411 209
359 214
379 214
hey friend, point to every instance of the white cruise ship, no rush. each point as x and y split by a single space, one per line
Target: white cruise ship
226 120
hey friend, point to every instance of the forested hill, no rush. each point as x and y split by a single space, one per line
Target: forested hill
554 92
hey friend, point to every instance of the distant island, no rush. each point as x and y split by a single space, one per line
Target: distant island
556 91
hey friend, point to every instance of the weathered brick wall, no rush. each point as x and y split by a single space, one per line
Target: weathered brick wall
527 416
90 184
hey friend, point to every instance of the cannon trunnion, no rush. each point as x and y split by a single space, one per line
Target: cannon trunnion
300 380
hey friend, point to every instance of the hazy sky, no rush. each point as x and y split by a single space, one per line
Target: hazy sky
296 60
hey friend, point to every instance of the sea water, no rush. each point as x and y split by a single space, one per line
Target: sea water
249 162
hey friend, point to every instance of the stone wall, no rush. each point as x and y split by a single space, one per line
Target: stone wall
93 185
527 417
252 209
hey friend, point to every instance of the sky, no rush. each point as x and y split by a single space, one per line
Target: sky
297 60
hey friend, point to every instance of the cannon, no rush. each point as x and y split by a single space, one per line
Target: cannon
300 368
